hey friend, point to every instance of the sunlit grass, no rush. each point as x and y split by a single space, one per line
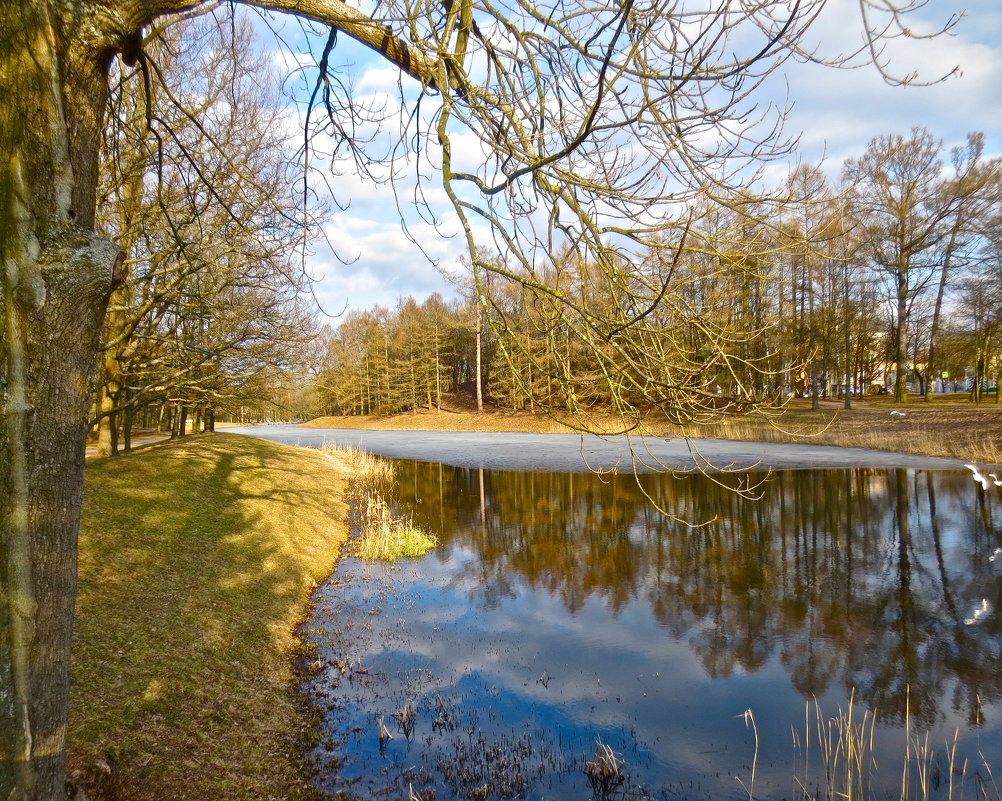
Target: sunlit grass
382 537
387 538
363 467
196 560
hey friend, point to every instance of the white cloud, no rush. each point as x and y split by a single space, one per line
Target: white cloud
836 111
384 79
382 263
839 110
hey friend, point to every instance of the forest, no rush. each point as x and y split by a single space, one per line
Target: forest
834 286
886 277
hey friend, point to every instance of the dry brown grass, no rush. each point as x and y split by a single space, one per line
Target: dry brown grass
948 426
196 560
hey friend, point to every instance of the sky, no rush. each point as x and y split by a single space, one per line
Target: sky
367 259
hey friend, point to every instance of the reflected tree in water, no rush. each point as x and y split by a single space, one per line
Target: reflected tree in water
853 579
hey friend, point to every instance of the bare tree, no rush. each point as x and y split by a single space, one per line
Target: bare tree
970 192
207 216
591 116
904 214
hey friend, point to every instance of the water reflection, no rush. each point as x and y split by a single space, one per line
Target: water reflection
657 633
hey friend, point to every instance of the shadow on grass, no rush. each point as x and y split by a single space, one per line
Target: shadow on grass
196 558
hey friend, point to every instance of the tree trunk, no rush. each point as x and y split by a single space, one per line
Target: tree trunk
130 416
107 429
55 279
901 341
45 429
931 371
480 387
847 400
438 369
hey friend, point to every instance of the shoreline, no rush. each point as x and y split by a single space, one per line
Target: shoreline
176 667
198 558
949 427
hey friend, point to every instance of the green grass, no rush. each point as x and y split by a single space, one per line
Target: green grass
387 538
196 561
382 536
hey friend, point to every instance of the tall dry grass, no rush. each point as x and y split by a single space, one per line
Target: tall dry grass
363 467
383 536
835 759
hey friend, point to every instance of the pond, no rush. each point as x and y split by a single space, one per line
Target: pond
564 614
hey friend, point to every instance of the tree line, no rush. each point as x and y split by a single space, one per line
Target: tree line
886 280
208 314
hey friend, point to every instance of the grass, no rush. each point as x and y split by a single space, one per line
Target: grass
949 425
196 560
841 750
382 537
604 771
368 470
386 538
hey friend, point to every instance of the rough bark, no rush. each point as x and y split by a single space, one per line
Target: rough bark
55 281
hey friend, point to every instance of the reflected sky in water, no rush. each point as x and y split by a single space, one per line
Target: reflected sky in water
561 610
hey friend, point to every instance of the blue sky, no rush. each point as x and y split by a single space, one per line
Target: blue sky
834 112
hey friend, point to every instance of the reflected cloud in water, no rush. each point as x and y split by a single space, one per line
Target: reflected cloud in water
563 608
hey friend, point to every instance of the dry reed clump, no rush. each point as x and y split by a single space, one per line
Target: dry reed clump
838 755
387 538
383 537
364 467
604 771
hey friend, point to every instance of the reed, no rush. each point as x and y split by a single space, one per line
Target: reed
387 538
383 537
836 760
604 771
364 467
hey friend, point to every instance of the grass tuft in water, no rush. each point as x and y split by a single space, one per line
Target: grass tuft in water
604 771
389 538
384 537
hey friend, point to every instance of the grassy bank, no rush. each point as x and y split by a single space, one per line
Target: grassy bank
196 558
947 426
